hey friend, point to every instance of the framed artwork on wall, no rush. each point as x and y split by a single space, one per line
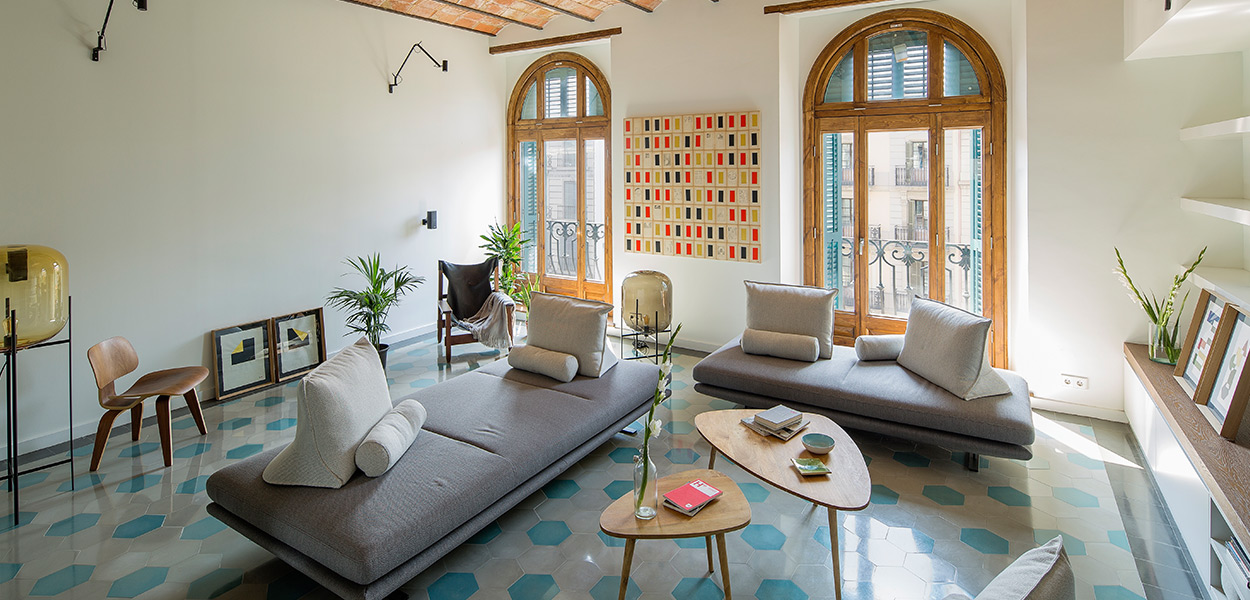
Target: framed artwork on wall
1208 313
242 359
299 343
1224 387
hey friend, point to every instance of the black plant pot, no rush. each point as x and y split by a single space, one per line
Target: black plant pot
382 348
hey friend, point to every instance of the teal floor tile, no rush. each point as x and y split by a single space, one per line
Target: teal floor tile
1119 538
453 586
1114 592
73 524
244 451
1010 496
138 484
883 495
534 587
130 586
281 425
139 449
193 486
697 588
62 581
618 488
549 533
763 537
8 523
192 450
139 526
1075 497
609 588
484 536
82 483
215 584
203 529
779 589
561 488
8 571
984 541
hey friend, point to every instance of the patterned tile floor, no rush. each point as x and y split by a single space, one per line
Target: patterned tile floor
135 529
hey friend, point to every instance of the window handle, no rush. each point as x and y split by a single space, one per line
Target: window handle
861 246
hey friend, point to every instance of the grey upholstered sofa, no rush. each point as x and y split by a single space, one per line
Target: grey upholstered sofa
492 437
878 396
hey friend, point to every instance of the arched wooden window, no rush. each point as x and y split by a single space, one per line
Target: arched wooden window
905 173
559 178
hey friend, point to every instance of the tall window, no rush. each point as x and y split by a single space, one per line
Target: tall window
906 116
559 125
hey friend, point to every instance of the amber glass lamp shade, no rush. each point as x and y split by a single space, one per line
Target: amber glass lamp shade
35 283
647 301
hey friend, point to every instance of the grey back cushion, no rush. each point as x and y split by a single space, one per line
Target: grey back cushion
793 309
572 326
782 345
1042 573
947 346
340 401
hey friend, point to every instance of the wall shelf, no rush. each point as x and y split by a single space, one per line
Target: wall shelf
1236 210
1233 284
1222 129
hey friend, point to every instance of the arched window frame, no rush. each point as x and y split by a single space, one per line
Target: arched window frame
939 111
582 126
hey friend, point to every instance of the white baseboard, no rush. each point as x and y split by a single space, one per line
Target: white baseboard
1080 410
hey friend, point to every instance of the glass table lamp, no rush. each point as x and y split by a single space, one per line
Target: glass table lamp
647 301
35 283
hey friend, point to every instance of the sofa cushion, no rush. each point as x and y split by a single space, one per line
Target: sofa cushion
572 326
554 364
792 309
782 345
879 389
949 347
340 401
390 438
1042 573
879 347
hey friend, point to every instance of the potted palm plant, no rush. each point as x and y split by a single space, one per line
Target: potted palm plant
367 308
507 244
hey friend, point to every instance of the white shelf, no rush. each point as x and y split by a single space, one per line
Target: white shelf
1223 129
1233 284
1236 210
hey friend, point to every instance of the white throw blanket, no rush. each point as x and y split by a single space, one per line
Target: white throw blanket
490 325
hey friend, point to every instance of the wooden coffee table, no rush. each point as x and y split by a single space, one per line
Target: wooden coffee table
767 457
729 512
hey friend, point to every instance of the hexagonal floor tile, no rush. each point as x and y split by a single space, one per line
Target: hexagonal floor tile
192 450
30 479
487 534
422 383
910 540
180 424
138 582
453 586
138 484
549 533
193 486
281 424
534 587
1081 460
822 536
623 456
1114 592
139 526
233 424
943 495
8 571
694 542
779 589
215 584
7 522
763 537
1119 538
675 403
73 524
60 581
270 401
1075 497
244 451
609 588
618 488
678 427
79 483
883 495
911 459
1009 496
682 456
561 488
139 449
1071 545
754 491
983 540
697 588
611 542
202 529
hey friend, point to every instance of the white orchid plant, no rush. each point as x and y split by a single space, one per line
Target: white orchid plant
661 394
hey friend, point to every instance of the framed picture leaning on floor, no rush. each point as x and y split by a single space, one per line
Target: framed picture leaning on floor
242 360
299 343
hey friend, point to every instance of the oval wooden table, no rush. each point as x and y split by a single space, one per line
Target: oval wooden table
848 487
728 512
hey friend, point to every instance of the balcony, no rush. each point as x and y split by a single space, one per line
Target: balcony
562 249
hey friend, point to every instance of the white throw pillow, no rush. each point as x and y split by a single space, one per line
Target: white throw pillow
340 401
1042 573
949 347
553 364
782 345
793 309
572 326
390 438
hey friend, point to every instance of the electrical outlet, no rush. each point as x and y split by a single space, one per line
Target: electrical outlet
1075 381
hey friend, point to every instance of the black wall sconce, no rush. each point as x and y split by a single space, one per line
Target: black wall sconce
431 219
99 42
390 87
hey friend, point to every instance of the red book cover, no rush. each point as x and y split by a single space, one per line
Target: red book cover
692 494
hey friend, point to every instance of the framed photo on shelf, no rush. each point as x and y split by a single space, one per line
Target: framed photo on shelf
1224 387
242 359
299 343
1208 313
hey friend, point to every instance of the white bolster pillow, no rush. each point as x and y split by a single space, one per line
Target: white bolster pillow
553 364
879 347
782 345
390 438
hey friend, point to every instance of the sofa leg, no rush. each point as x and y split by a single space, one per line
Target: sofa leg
972 462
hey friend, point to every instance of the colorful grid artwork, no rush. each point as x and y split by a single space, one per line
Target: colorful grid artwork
692 186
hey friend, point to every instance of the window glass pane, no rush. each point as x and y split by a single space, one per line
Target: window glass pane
528 177
596 225
964 255
560 207
529 107
560 93
898 65
959 79
594 104
841 84
838 244
898 221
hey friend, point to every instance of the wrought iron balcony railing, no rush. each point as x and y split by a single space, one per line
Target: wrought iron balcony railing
562 249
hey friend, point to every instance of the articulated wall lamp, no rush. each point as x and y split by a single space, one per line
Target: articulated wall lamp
99 43
390 87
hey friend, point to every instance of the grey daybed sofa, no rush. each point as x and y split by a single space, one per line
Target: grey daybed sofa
878 396
492 437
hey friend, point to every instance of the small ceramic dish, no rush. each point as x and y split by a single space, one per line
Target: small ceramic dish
817 443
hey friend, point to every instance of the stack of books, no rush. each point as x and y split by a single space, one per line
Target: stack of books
1240 561
689 499
780 421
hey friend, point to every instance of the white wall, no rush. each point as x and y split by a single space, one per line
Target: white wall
221 160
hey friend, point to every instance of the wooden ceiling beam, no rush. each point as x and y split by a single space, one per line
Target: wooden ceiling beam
552 7
809 5
426 19
489 14
635 5
555 41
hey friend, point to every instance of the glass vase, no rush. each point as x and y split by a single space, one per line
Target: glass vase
1161 348
646 496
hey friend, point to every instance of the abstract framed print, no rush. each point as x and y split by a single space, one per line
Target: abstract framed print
242 359
299 343
1224 387
1196 350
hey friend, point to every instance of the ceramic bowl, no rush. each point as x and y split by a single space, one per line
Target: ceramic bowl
817 443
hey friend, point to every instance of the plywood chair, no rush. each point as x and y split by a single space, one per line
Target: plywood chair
462 290
115 358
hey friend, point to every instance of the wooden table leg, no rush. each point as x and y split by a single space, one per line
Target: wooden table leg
711 458
724 565
708 543
629 558
835 539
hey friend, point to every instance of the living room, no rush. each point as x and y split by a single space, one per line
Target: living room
220 160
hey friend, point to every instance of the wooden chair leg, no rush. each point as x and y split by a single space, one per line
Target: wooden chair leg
162 421
136 421
102 436
447 341
193 403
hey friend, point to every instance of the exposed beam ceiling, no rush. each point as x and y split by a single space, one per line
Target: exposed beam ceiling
490 16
